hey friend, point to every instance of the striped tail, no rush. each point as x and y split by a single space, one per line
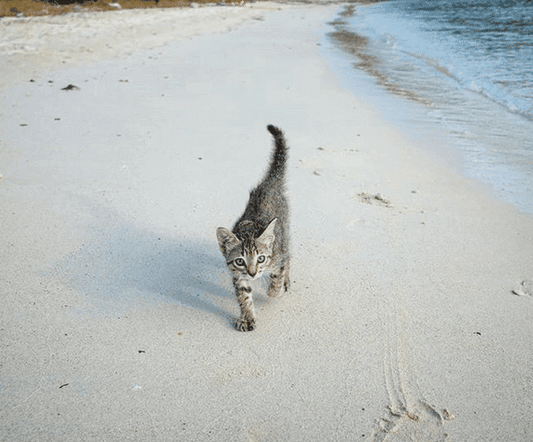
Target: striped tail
279 155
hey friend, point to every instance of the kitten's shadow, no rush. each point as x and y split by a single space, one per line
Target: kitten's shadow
120 266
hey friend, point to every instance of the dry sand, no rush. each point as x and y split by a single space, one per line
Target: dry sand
117 313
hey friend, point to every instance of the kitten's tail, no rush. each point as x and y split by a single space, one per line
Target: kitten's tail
279 155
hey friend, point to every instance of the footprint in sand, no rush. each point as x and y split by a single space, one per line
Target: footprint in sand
376 199
422 422
525 289
409 416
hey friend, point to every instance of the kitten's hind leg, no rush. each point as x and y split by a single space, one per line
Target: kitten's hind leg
243 291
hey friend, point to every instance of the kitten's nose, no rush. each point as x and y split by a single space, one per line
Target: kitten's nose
252 271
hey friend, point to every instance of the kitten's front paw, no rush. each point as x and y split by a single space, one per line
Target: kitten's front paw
245 324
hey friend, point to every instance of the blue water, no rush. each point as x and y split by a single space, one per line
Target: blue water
467 66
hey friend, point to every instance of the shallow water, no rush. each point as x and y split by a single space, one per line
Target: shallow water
463 69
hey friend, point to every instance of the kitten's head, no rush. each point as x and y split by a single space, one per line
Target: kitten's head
247 256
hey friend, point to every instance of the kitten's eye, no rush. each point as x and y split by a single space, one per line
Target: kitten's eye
261 259
239 262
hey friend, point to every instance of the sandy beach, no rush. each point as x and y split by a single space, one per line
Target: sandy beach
410 315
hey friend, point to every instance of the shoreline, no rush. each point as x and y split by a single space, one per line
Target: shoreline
118 313
431 122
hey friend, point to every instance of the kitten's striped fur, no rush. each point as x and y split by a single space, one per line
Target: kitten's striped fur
258 244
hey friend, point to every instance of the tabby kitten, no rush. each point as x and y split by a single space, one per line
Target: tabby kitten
258 244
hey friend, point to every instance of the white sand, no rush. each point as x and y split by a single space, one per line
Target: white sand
117 314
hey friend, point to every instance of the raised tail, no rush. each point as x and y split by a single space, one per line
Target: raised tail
279 155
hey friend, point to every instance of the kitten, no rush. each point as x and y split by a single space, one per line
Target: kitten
258 244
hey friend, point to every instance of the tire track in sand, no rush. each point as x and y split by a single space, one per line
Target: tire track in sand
409 416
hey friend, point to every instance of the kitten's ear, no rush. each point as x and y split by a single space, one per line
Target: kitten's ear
225 239
267 237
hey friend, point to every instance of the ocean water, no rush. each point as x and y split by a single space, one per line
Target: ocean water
463 68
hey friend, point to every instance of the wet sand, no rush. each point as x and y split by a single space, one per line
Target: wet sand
408 316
